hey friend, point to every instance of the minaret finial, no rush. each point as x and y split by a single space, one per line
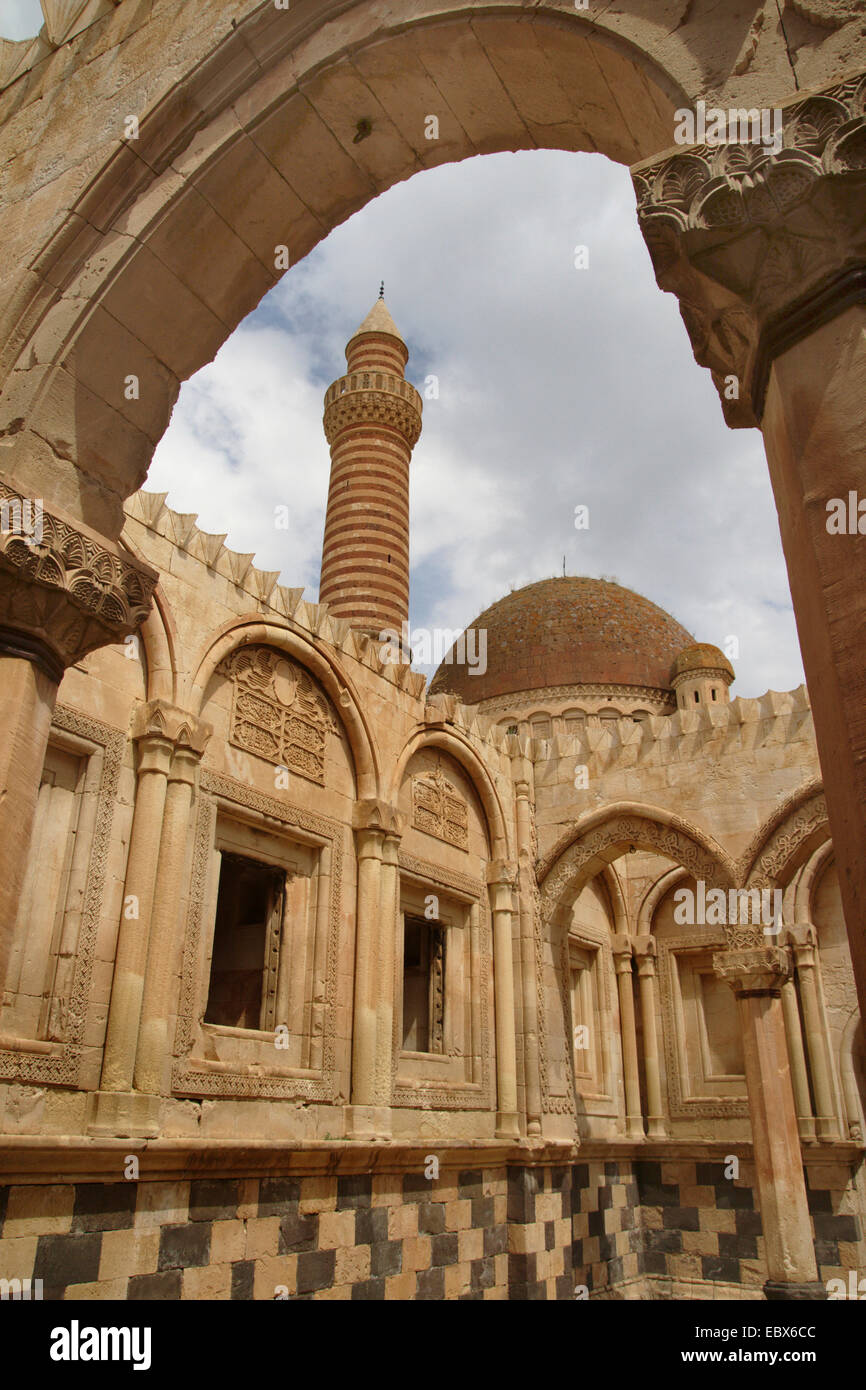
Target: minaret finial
382 290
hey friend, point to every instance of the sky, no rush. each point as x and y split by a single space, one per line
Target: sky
20 19
559 387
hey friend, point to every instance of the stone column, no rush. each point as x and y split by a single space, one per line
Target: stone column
797 1059
622 951
804 945
154 762
386 973
528 974
767 255
645 954
153 1054
28 694
367 1117
64 591
756 974
501 878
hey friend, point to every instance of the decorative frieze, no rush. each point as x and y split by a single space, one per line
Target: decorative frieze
761 247
63 588
278 713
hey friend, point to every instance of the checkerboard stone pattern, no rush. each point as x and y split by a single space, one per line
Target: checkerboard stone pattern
646 1229
635 1229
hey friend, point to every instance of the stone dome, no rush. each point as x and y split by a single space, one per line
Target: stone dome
571 631
701 657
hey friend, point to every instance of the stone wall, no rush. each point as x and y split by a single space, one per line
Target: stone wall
626 1228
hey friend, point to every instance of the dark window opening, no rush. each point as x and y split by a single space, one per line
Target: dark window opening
246 944
697 698
714 694
423 985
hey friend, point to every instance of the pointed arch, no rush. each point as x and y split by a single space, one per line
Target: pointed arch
451 741
791 834
603 835
320 663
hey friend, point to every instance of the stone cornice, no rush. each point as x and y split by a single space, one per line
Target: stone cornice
63 586
761 247
648 694
394 403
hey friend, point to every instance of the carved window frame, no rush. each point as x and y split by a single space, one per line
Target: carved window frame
681 1102
62 1062
460 896
195 1075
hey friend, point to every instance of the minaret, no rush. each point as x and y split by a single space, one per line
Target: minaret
372 423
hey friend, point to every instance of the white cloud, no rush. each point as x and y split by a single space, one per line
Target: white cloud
20 19
558 386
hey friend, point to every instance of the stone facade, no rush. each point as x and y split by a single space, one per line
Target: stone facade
280 936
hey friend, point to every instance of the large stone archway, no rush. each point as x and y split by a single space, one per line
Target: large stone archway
156 161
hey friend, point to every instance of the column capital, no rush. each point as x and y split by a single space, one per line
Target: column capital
159 720
64 590
753 970
501 872
622 947
380 816
803 941
762 243
645 952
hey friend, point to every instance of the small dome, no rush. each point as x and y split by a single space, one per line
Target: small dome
566 632
702 656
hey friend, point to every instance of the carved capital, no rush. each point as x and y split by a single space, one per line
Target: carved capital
645 951
803 940
754 970
64 591
160 720
501 872
622 947
377 816
761 247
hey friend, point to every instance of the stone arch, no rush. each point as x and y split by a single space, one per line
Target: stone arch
602 836
320 664
158 635
787 839
654 896
256 145
449 741
808 879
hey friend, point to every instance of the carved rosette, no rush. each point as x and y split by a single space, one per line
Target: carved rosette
278 713
761 247
439 810
64 591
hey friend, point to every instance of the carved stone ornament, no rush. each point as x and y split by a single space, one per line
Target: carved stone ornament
762 247
363 398
64 591
278 713
438 809
753 970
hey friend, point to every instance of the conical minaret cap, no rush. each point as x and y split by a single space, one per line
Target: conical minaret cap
378 320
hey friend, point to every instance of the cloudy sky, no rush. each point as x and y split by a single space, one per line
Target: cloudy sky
20 19
558 387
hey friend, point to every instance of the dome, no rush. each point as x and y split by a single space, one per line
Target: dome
701 656
567 632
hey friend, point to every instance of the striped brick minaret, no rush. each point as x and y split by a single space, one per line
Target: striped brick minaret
372 423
